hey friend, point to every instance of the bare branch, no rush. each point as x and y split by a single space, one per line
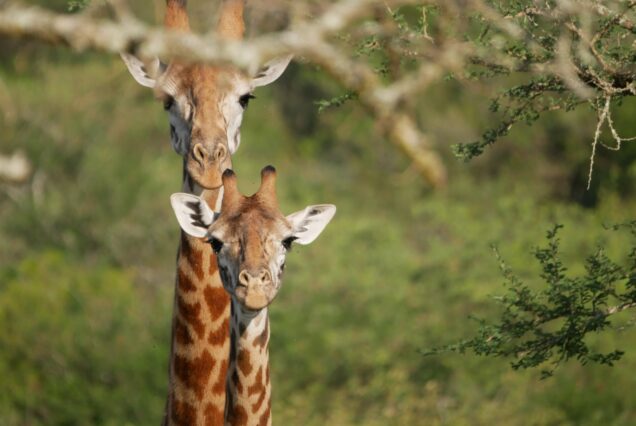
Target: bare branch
620 308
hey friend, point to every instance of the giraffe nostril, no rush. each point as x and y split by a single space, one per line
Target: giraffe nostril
200 153
220 153
244 278
266 277
258 279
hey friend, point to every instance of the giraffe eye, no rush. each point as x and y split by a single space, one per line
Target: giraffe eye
287 242
168 102
245 100
217 244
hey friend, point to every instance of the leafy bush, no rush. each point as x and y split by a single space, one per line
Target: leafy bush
79 345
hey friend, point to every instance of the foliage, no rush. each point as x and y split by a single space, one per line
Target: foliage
552 324
86 281
538 58
75 349
598 44
75 5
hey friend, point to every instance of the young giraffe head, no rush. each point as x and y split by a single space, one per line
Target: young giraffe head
250 236
205 104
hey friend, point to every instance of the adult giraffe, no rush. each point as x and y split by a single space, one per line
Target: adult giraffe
251 238
205 106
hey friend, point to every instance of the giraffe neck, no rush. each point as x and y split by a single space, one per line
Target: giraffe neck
248 387
200 333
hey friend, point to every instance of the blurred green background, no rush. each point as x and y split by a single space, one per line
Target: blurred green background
88 247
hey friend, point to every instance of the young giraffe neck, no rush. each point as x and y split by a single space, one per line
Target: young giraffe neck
200 332
248 387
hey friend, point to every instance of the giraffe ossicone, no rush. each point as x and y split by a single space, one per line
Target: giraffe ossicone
251 238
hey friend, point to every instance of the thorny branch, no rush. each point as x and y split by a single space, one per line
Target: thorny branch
307 39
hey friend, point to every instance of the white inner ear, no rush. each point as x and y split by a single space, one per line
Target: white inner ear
271 71
193 214
307 224
144 74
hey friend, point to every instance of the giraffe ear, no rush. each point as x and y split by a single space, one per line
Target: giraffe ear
193 214
307 224
271 71
145 74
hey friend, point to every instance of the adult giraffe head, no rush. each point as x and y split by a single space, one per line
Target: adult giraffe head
205 103
250 237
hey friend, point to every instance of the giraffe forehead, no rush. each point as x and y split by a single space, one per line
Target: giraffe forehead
254 227
202 83
258 228
217 82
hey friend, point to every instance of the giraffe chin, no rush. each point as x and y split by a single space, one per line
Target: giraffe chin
251 299
208 178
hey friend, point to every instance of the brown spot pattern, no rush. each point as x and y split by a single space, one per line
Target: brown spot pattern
181 333
184 283
213 415
243 362
219 336
186 249
190 313
194 373
217 300
193 255
256 406
219 386
264 420
261 340
237 416
257 387
183 413
214 265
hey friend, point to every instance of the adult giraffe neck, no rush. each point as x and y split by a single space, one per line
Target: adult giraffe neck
200 334
248 382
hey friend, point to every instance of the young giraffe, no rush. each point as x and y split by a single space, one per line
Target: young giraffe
205 106
251 238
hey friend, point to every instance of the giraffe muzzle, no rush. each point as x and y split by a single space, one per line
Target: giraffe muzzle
206 164
255 291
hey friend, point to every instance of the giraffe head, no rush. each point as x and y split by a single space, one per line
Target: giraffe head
205 104
250 236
